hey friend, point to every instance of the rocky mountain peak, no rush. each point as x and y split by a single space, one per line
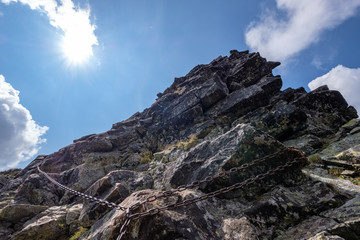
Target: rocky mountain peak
229 134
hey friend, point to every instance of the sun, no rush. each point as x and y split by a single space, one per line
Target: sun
78 38
76 48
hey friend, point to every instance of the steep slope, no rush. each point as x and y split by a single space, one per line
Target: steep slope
219 116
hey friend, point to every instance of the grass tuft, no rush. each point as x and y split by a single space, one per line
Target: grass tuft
315 159
146 157
79 233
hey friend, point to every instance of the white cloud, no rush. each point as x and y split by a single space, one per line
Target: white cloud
20 136
346 80
278 38
74 22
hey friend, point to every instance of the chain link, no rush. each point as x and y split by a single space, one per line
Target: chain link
82 195
167 193
209 178
125 225
217 192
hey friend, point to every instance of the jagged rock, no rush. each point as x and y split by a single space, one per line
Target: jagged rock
286 207
35 191
240 145
280 207
298 118
250 98
281 121
114 187
325 236
5 230
72 218
6 176
346 212
208 90
238 229
349 173
235 109
340 163
166 225
94 143
50 224
351 155
347 230
20 212
341 145
338 222
241 139
308 229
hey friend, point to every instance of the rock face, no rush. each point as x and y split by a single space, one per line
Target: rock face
208 123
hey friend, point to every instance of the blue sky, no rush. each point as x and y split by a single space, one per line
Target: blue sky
125 52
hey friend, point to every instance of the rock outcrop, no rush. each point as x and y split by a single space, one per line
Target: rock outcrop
218 117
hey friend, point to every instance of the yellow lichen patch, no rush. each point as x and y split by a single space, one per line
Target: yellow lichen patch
168 147
264 140
345 157
178 90
335 171
79 233
259 140
350 123
355 181
191 142
62 225
315 159
146 157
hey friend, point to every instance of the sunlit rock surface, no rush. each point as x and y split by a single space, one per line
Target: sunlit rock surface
219 116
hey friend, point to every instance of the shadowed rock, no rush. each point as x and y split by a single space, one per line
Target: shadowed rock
221 115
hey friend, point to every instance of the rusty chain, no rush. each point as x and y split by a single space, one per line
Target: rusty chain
181 188
80 194
197 183
235 186
215 193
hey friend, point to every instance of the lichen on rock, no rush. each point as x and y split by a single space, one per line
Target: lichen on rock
218 117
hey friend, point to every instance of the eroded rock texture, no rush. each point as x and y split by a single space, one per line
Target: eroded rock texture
219 116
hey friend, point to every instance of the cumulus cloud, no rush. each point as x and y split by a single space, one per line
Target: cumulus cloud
346 80
74 22
280 38
20 136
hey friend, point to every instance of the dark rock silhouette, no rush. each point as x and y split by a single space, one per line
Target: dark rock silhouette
217 117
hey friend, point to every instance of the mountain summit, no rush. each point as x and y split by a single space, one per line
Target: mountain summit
221 154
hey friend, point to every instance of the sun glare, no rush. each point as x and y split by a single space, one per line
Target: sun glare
76 48
78 36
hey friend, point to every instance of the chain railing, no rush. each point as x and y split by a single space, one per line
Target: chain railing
80 194
133 216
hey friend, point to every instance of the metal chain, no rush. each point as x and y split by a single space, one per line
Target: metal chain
125 225
181 188
235 186
210 178
217 192
83 195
